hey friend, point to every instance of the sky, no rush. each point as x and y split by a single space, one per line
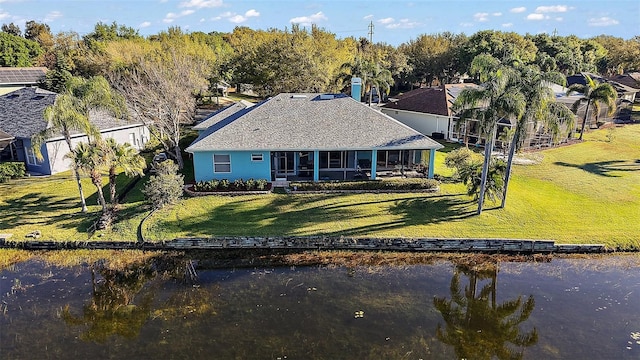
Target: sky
394 22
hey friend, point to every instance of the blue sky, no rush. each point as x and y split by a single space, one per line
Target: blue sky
394 22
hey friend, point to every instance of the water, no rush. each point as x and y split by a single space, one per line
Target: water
561 309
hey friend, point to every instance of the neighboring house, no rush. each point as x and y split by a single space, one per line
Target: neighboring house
626 87
21 117
428 110
309 137
14 78
225 112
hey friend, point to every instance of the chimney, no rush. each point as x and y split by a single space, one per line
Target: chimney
356 88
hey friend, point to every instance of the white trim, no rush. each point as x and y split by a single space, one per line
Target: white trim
257 157
221 163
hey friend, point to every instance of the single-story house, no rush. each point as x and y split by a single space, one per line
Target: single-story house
427 110
14 78
314 137
21 117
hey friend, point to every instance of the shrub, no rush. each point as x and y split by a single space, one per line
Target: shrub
238 184
368 185
250 184
11 170
261 184
223 184
166 186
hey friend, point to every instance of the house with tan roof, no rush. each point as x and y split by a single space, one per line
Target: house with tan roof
310 137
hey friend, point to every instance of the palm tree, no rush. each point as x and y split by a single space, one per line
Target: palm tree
595 95
382 80
125 157
90 159
70 113
540 107
496 98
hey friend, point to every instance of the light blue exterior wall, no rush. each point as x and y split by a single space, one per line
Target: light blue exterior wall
242 167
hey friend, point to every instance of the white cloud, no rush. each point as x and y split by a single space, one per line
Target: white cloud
199 4
144 24
370 16
386 21
236 18
466 24
507 25
552 9
202 20
536 17
403 24
171 17
252 13
559 18
308 20
603 21
52 16
497 14
518 10
481 17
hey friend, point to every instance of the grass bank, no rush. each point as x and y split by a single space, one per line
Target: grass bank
582 193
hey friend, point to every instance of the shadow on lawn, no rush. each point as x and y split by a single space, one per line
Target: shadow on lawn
287 215
605 168
37 209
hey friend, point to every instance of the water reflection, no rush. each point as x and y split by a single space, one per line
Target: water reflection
113 309
475 324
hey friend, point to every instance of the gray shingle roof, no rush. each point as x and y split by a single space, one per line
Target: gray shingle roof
21 113
21 75
310 122
222 114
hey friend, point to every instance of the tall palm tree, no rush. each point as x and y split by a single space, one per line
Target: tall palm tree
495 99
70 113
125 157
541 107
382 80
595 95
90 159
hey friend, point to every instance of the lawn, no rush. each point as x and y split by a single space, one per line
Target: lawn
582 193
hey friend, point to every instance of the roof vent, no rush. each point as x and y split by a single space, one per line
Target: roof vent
298 96
326 96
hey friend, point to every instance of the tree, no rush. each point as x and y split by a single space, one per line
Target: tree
90 159
125 157
382 80
494 99
165 187
18 52
12 29
595 95
39 32
540 107
70 113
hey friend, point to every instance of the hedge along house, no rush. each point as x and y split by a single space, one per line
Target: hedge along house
21 117
310 137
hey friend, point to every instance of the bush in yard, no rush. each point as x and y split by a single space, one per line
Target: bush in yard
239 185
261 184
166 186
368 185
224 184
11 170
250 184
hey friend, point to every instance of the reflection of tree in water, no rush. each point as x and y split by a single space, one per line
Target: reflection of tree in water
476 326
119 306
113 309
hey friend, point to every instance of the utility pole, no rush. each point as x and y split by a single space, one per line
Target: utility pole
371 32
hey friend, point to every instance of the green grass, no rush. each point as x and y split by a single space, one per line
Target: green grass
583 193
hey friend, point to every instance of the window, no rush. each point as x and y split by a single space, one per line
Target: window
256 157
221 163
31 157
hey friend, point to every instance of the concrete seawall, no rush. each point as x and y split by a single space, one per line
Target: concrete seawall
322 243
